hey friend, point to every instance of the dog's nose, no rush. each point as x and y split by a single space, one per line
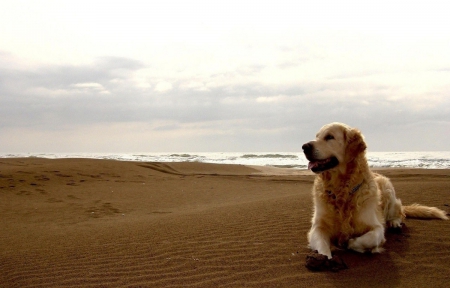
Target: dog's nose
307 147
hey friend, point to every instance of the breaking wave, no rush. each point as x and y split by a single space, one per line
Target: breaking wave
427 160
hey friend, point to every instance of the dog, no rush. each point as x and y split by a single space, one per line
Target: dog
352 205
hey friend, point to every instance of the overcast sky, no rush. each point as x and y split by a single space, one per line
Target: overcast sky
222 76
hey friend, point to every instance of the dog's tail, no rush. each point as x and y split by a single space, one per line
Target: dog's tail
424 212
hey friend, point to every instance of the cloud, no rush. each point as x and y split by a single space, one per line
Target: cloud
91 86
163 86
194 76
61 96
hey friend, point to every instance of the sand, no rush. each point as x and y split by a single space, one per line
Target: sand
103 223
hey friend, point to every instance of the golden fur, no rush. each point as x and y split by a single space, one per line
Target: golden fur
352 205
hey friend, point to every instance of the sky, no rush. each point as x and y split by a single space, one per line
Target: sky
221 76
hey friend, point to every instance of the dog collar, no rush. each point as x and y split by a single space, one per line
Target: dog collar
331 194
356 188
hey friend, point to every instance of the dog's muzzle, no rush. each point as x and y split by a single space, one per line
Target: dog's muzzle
308 149
318 165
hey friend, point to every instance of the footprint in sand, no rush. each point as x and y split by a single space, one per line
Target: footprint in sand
54 200
42 178
24 192
100 210
72 183
42 191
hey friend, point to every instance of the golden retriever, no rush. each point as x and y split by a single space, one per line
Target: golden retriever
352 205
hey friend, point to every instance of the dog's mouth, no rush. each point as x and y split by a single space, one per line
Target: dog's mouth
321 165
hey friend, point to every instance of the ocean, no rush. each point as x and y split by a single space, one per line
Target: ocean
426 160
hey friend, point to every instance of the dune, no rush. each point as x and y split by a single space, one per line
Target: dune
106 223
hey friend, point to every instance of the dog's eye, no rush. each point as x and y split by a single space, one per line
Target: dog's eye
329 137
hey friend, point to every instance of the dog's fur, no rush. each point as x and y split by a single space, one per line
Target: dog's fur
352 205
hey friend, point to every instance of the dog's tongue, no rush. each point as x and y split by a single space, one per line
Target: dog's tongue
317 163
312 165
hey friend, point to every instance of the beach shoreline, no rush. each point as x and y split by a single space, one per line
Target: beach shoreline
87 222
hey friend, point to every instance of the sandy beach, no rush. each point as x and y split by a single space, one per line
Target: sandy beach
105 223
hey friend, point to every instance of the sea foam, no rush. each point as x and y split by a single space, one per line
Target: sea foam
428 160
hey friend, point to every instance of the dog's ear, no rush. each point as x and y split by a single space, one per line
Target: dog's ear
355 143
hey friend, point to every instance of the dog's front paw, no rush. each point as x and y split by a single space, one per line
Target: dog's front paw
354 245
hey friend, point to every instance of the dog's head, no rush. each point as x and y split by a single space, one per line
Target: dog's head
335 144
